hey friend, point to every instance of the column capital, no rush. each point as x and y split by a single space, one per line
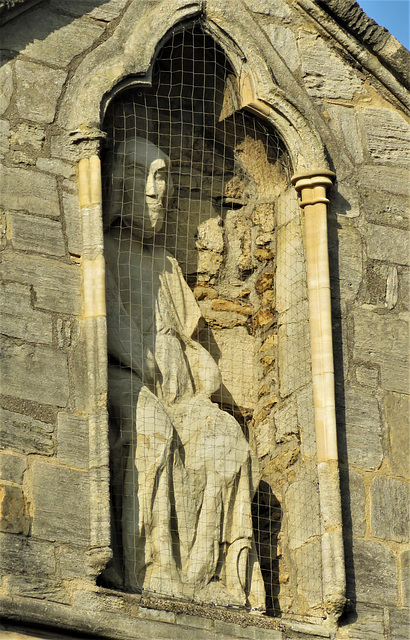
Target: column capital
87 140
312 186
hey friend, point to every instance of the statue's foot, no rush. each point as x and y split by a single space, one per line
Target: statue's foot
166 583
217 593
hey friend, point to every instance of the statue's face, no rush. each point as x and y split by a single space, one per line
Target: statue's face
145 191
149 187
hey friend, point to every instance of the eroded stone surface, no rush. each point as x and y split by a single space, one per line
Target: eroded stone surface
303 512
72 217
19 319
371 346
99 9
326 75
56 285
41 235
33 103
6 87
354 502
25 434
388 136
72 440
12 467
397 412
389 509
363 429
24 555
27 368
375 573
59 496
49 38
388 244
31 191
12 509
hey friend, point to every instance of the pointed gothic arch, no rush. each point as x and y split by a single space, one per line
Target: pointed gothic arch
127 60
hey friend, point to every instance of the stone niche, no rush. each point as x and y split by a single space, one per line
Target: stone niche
233 226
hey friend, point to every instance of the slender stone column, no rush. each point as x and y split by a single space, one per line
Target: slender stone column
95 338
312 187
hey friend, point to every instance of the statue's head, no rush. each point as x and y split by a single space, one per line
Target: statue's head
141 186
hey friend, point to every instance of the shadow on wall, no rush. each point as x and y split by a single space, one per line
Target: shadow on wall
21 29
339 347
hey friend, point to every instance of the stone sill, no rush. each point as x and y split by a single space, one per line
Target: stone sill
110 615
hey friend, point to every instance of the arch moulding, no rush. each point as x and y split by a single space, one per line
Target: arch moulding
124 60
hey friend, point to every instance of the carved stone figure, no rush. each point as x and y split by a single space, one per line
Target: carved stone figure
184 474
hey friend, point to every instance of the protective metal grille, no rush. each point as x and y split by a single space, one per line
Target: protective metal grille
195 190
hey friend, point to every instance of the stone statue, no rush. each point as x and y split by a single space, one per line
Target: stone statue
183 468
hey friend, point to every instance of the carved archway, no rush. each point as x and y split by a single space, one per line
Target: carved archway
124 60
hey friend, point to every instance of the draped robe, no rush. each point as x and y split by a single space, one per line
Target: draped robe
183 467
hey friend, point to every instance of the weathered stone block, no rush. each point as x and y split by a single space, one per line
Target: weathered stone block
72 440
284 41
303 511
57 167
57 286
344 121
405 577
73 561
291 284
31 586
12 509
72 217
33 101
345 249
344 201
32 372
388 135
370 345
60 503
326 74
6 87
397 412
382 209
12 467
236 345
275 8
286 421
309 580
389 509
399 624
388 244
29 190
354 503
21 554
52 39
4 138
41 235
404 288
384 178
375 573
19 319
363 429
369 376
306 421
366 624
25 434
99 9
294 356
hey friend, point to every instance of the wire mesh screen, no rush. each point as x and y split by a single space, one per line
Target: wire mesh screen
191 188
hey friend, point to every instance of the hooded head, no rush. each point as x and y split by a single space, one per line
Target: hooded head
140 188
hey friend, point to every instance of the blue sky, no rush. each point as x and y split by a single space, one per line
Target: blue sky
392 14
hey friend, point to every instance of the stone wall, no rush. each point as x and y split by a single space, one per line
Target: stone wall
44 474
